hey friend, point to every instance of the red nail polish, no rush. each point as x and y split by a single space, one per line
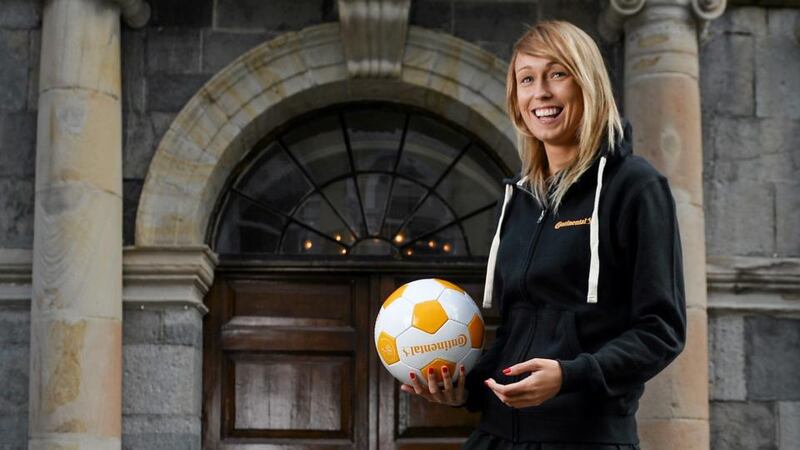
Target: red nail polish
430 370
412 375
445 369
462 369
506 371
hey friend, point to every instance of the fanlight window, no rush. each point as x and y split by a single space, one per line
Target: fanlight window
364 180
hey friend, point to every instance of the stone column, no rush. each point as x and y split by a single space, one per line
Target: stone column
76 309
662 101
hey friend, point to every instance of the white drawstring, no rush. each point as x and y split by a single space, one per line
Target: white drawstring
594 238
488 288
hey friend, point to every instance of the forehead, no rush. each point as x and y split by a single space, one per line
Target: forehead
525 60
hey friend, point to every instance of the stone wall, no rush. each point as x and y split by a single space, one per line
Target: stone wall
751 128
14 361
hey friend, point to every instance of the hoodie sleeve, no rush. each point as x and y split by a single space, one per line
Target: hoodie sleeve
483 369
657 310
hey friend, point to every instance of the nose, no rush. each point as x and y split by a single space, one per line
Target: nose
541 91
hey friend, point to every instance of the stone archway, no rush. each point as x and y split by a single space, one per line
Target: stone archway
295 73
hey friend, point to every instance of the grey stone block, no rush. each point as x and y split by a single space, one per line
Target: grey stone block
177 13
726 358
789 431
141 326
727 70
173 50
134 85
169 92
220 48
583 13
493 21
14 61
33 76
741 20
160 432
433 14
20 14
161 122
14 431
16 212
15 327
14 360
772 359
743 426
162 379
138 146
18 144
183 326
777 66
787 206
279 16
131 191
740 219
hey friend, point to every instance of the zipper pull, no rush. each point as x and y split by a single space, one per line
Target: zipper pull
541 216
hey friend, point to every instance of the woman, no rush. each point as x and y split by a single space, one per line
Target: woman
585 265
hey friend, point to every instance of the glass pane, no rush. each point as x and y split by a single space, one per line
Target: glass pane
275 180
430 216
248 228
375 138
317 214
448 242
470 185
374 193
480 231
319 146
405 196
301 241
373 246
430 147
342 195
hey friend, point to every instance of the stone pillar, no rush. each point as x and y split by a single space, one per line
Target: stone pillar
75 391
662 101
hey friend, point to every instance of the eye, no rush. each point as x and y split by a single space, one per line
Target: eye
558 75
526 79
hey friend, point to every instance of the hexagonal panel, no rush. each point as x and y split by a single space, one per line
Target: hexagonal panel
396 318
437 364
475 328
429 316
394 296
449 285
422 290
458 306
387 349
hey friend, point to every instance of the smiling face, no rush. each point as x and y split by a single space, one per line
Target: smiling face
549 100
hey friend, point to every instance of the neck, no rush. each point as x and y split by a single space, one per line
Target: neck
559 156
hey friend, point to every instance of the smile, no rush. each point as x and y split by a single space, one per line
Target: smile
550 111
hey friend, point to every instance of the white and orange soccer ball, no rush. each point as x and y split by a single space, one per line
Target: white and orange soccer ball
428 323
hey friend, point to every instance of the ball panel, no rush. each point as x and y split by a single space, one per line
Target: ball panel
429 316
417 348
437 365
387 349
470 359
459 306
449 285
476 331
396 318
394 296
400 371
422 290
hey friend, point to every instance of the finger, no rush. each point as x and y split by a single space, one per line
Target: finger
495 386
490 382
415 383
530 365
447 381
461 382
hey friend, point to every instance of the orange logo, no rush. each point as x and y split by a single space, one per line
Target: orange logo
572 223
458 341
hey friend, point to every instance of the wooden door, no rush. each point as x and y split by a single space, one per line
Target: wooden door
289 363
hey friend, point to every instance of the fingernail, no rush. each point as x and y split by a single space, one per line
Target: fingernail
462 369
412 375
445 369
430 370
506 371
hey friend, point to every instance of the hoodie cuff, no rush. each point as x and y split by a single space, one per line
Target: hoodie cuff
575 374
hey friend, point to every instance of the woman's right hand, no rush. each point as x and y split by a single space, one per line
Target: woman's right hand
448 395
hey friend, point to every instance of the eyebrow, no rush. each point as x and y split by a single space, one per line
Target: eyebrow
550 63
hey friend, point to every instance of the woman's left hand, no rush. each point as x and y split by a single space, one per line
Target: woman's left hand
542 384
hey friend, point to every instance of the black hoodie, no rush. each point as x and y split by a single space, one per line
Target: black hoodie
607 346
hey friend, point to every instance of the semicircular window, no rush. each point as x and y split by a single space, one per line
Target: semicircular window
363 180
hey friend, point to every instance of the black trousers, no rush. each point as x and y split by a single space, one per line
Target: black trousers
480 440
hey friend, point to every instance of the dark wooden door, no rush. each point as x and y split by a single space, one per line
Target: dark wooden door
289 363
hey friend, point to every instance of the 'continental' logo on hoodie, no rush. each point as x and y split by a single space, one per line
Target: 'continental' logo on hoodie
572 223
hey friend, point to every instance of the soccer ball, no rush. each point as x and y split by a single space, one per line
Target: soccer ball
428 323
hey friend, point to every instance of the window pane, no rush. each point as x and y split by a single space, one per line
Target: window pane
471 184
480 231
430 147
248 228
448 242
316 213
342 195
374 193
301 241
319 146
405 196
275 180
431 215
375 138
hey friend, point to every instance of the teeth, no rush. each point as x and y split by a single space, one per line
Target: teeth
545 112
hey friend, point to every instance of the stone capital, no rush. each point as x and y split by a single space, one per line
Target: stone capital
617 12
135 13
373 34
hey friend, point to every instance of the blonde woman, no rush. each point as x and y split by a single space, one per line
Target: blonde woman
585 265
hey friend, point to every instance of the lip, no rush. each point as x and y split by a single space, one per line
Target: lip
547 120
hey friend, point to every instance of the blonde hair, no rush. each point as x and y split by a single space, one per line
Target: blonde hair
570 46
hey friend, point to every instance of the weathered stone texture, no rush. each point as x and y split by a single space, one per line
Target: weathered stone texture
433 14
772 359
280 16
17 144
20 14
14 431
787 208
14 373
139 144
494 26
168 326
174 50
172 13
131 190
33 75
743 426
14 369
15 327
134 81
169 92
221 47
726 358
162 379
740 218
789 431
160 432
16 212
727 71
777 66
14 68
